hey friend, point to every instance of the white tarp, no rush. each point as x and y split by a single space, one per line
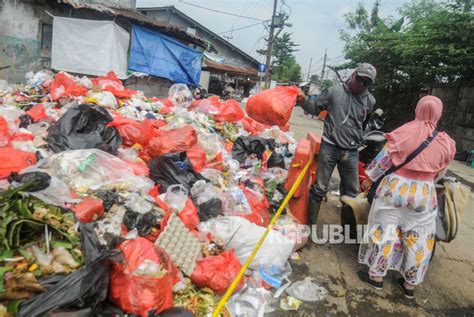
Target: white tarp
89 47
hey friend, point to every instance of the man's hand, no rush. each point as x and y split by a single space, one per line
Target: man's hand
366 184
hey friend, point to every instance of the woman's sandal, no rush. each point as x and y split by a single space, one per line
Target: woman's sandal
409 293
364 277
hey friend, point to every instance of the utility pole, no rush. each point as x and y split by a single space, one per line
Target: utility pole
270 46
324 64
309 69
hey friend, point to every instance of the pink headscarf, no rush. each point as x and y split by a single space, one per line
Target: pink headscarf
404 140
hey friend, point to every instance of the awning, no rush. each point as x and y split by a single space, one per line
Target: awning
208 64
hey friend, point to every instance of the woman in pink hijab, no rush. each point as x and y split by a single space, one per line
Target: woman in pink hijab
402 219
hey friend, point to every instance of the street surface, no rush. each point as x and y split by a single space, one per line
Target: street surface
448 288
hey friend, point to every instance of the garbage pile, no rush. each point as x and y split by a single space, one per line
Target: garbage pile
112 202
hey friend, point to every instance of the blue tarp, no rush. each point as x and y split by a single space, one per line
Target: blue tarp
158 55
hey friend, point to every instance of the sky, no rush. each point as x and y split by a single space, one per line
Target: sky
316 24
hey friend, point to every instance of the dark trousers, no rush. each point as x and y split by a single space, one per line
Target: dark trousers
346 161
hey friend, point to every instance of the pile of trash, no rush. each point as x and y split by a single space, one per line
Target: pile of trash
112 202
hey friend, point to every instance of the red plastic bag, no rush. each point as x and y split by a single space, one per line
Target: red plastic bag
112 83
14 160
197 156
260 215
230 111
252 126
5 136
89 209
189 215
217 272
134 286
64 86
273 106
133 132
172 141
37 112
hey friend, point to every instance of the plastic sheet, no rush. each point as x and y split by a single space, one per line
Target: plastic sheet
93 169
84 127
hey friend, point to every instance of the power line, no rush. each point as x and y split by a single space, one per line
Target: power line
218 11
244 27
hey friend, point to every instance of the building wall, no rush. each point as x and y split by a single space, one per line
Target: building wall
458 114
19 40
151 86
230 56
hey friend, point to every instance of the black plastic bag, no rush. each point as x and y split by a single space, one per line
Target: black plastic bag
109 198
39 180
245 146
142 222
209 209
90 244
84 127
85 288
25 120
172 169
176 312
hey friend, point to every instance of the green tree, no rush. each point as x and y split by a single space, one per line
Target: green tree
326 83
431 43
284 66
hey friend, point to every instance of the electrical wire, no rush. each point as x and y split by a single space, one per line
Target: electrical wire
219 11
244 27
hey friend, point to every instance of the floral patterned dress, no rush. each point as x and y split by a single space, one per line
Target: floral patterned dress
402 223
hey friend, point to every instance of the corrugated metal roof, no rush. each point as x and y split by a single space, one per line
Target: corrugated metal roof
229 68
141 18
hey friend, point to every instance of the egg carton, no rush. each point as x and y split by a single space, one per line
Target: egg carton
182 247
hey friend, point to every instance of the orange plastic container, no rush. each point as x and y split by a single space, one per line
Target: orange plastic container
298 205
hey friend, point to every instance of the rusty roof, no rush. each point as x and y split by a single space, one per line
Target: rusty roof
136 16
229 68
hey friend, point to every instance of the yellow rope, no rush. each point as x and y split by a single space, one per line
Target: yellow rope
239 276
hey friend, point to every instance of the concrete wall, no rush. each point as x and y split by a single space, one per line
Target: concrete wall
229 55
151 86
20 30
458 114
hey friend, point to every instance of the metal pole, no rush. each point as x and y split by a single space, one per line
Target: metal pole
309 69
324 64
270 46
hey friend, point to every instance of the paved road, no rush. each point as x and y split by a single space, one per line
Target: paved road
448 289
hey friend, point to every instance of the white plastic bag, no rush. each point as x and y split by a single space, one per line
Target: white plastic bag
307 291
91 169
242 236
176 197
180 95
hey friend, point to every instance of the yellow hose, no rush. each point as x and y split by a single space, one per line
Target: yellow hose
244 268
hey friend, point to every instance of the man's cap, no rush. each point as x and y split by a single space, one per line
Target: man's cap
366 70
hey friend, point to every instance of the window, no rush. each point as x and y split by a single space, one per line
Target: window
46 37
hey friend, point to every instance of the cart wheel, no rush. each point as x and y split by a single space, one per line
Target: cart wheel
348 219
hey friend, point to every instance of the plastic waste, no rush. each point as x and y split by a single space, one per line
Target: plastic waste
112 83
40 180
229 111
14 161
143 223
86 287
93 169
172 141
180 95
273 106
242 236
168 170
252 302
63 85
144 281
84 127
217 272
307 290
176 197
89 209
246 146
275 274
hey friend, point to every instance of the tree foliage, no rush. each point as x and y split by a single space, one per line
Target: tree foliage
284 66
431 43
